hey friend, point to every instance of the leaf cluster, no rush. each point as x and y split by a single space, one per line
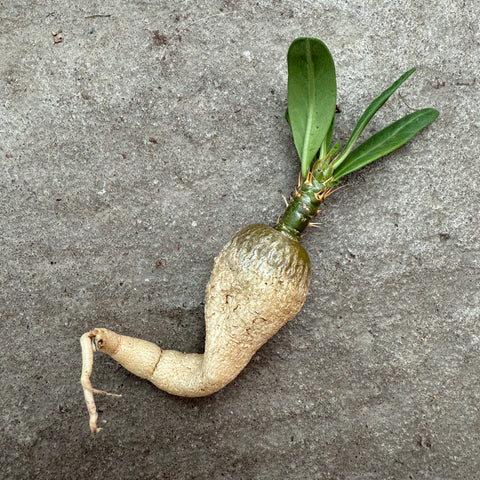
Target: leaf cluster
312 96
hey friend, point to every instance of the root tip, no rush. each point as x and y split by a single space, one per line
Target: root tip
90 343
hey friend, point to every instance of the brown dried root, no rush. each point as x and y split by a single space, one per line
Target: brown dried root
87 342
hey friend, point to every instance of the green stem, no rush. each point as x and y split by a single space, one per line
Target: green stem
305 204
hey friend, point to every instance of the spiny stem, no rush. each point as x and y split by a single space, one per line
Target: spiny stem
300 211
305 204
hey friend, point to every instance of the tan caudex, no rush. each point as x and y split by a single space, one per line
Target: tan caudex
258 283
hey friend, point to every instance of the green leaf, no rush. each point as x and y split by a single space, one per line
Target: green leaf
328 139
368 114
387 140
312 94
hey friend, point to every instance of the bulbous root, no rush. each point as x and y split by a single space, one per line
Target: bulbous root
259 282
90 342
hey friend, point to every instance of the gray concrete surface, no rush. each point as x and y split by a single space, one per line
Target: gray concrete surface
131 151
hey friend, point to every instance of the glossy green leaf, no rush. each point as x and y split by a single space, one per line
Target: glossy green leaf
387 140
328 139
368 114
312 94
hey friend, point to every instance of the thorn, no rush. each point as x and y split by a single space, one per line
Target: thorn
321 195
309 178
333 190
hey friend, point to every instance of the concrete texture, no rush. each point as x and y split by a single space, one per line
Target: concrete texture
134 147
